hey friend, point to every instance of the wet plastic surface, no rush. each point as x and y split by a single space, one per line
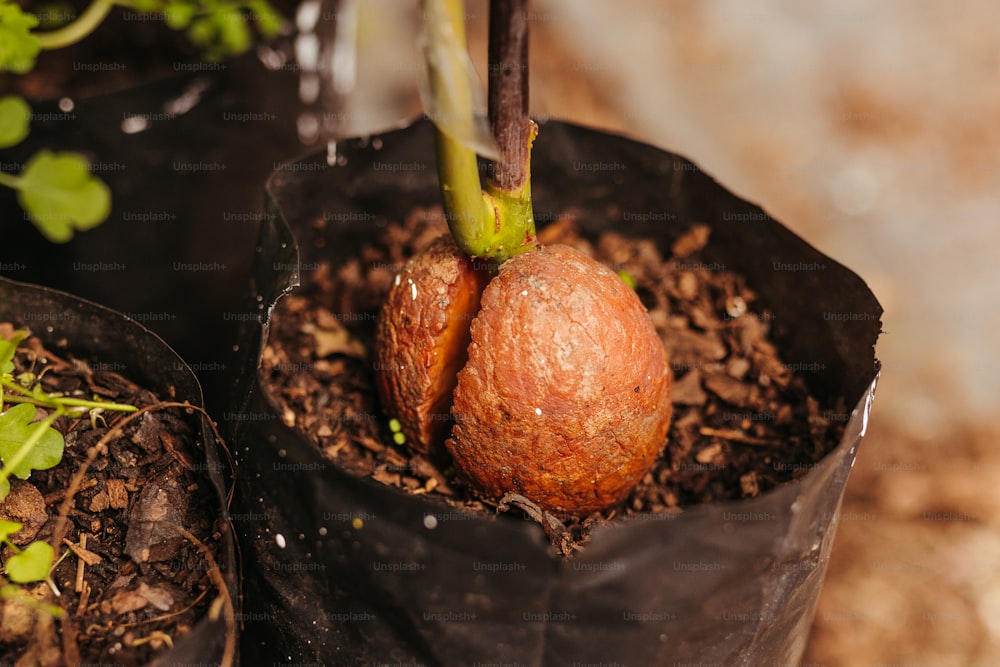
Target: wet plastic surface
347 571
100 333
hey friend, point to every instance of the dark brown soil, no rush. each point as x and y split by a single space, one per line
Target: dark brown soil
743 421
131 584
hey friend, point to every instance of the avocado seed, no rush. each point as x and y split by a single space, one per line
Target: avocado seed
562 392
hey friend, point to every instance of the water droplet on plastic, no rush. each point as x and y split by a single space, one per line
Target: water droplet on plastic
377 143
430 522
66 104
49 329
134 124
280 540
341 160
322 531
302 536
188 99
796 506
282 453
272 59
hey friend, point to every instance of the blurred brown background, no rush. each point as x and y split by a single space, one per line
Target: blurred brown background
872 130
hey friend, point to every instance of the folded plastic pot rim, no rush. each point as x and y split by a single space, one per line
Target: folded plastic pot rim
734 583
64 321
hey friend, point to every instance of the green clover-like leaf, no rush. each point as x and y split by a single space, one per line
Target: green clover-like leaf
15 120
32 564
178 15
16 428
8 528
268 20
61 195
18 46
233 35
8 348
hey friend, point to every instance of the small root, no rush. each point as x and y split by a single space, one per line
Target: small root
560 536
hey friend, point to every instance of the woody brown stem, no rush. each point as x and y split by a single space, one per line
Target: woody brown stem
508 92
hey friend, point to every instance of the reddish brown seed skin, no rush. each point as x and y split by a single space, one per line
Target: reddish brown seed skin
421 340
565 397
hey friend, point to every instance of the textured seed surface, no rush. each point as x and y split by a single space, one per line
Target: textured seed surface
423 333
565 397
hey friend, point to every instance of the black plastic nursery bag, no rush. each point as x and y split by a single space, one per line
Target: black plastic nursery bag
63 321
347 571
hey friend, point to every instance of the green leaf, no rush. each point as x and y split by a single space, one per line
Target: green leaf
32 564
178 15
8 528
16 427
15 120
202 32
8 348
234 36
18 46
268 19
60 195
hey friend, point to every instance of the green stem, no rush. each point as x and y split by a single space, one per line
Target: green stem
84 24
469 215
59 402
488 224
70 403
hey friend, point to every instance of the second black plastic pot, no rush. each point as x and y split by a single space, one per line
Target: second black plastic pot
346 571
67 323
